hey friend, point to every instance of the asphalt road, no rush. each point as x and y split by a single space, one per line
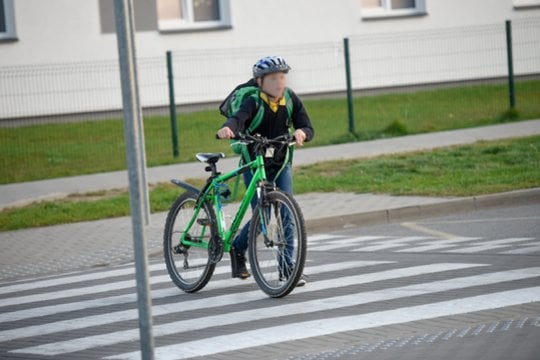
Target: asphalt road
457 287
504 239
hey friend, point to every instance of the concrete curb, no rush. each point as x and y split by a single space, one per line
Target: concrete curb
452 206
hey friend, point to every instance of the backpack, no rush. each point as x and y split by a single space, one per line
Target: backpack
236 98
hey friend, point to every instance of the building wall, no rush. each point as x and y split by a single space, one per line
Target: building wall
65 58
56 31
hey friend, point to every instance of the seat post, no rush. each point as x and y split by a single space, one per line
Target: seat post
211 159
212 167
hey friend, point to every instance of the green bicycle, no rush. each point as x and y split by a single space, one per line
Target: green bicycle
196 234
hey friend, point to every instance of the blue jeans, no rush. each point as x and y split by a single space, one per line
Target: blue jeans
283 182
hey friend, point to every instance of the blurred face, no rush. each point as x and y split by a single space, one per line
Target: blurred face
273 84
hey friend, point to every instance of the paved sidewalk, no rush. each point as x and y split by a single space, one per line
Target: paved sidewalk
61 248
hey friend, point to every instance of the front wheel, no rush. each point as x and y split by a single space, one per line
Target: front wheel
185 245
277 244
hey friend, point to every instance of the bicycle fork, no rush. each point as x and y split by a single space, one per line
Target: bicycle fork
264 211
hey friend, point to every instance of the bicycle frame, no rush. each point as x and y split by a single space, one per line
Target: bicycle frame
211 193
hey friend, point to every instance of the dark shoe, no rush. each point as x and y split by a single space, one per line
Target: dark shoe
238 265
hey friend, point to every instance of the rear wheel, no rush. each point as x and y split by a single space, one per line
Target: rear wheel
186 251
277 244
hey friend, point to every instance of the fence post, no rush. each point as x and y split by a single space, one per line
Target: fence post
172 105
511 90
349 85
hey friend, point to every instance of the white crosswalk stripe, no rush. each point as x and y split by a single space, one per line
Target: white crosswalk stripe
391 243
73 279
64 315
410 244
338 244
438 244
314 328
132 314
490 245
523 250
283 310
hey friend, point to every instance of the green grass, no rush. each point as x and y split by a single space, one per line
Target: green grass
424 111
56 150
482 168
485 167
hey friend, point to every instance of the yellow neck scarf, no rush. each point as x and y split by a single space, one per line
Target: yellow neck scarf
274 106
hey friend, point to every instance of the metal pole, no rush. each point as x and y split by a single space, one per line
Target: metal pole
133 133
141 151
349 85
172 105
511 89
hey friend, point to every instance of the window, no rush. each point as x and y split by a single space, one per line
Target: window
392 8
7 20
192 14
145 15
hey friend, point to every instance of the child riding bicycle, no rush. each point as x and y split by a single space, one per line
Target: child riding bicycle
272 112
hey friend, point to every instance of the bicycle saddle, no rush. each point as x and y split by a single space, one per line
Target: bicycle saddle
210 158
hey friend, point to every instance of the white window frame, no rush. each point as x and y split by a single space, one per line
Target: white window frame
189 23
9 13
525 4
386 11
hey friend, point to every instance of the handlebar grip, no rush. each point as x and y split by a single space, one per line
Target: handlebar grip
233 138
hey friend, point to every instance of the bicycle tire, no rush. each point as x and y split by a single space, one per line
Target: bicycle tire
189 267
277 259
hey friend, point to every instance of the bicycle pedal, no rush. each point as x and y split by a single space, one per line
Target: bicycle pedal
203 222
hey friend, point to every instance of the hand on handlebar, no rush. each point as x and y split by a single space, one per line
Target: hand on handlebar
300 137
225 133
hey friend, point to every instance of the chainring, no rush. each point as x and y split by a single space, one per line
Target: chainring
215 249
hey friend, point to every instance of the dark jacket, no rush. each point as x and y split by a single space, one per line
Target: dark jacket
273 124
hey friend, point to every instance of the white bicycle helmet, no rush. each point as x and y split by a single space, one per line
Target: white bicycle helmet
269 65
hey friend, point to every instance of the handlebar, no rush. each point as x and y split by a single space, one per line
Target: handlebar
258 138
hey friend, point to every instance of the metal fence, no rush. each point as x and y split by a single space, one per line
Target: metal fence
446 55
49 93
